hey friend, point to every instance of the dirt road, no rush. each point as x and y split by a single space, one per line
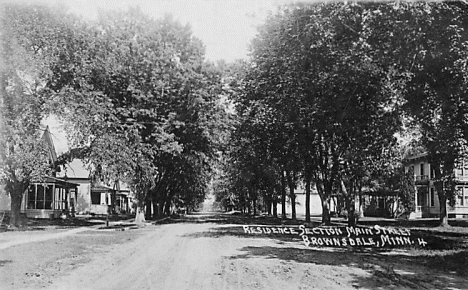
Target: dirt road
175 256
205 255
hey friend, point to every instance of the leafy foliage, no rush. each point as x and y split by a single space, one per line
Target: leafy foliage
139 101
334 83
25 157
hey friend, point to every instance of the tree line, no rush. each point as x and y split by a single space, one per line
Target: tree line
138 98
336 95
328 97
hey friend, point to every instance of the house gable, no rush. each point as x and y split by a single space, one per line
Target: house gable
47 138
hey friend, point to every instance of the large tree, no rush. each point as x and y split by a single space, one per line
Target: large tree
425 44
342 74
30 37
313 71
153 102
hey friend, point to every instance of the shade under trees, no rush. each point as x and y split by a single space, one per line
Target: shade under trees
139 100
340 80
327 91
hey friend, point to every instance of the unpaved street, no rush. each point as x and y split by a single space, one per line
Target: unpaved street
203 256
200 254
176 256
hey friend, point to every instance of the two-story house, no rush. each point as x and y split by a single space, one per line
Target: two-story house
426 199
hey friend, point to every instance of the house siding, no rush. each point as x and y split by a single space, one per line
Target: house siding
426 198
5 201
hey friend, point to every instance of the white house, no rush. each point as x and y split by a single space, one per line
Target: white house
94 196
315 203
49 198
426 199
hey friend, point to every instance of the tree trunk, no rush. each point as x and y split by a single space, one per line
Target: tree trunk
350 204
167 207
292 195
293 204
307 200
268 204
253 198
16 198
443 219
156 212
443 215
361 205
140 212
325 199
275 205
114 198
325 210
161 208
283 196
148 210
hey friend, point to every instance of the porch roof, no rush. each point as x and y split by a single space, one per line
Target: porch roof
61 182
101 188
414 158
380 192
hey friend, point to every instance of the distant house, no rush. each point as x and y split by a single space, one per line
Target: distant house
426 199
380 202
315 203
94 196
50 198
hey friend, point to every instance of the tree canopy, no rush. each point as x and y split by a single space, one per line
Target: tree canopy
323 100
342 81
139 100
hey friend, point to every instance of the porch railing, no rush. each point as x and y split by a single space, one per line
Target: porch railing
421 177
422 208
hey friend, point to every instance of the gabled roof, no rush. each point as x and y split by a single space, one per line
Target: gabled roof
76 170
46 137
415 157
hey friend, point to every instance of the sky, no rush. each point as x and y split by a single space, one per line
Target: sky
226 27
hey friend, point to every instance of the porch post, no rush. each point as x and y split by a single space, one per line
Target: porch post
67 198
416 201
53 197
35 196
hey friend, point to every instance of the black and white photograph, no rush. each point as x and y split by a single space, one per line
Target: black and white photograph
233 144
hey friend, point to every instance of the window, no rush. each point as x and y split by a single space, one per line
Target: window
60 198
459 195
95 198
48 197
32 196
40 196
465 196
432 197
411 169
460 171
421 169
432 172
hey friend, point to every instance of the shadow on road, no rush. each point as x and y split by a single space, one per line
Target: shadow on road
235 218
410 267
397 269
437 238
